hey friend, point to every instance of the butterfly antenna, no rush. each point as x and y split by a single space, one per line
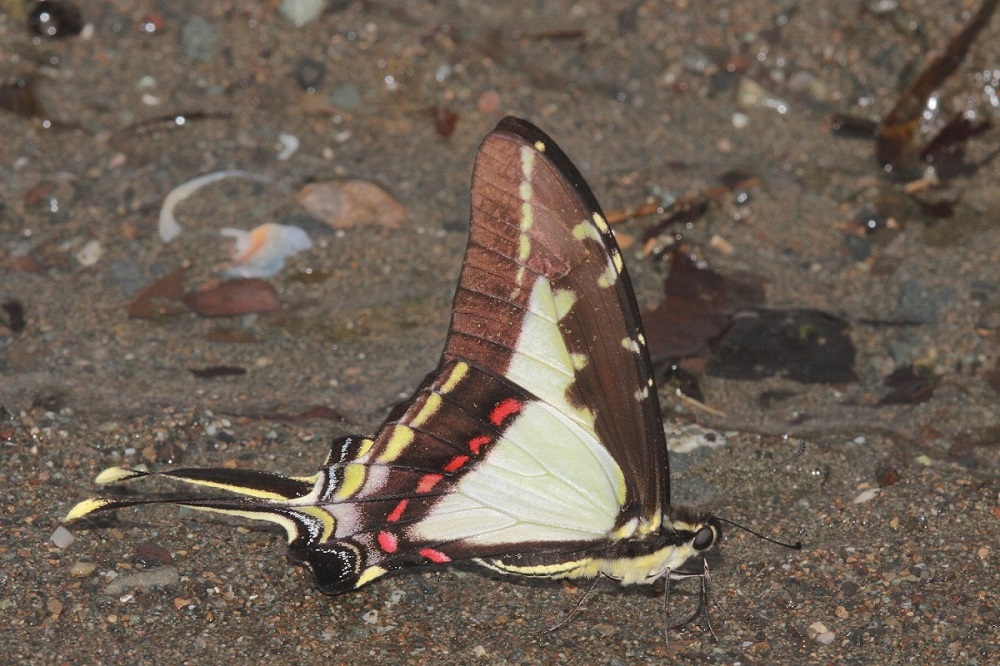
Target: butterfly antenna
794 546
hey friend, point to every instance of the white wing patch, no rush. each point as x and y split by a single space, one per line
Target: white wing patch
548 478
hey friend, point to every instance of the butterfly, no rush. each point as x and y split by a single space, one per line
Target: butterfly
535 448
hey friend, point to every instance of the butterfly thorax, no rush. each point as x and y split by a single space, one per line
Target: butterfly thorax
682 538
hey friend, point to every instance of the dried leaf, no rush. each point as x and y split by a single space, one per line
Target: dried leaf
234 297
696 308
909 386
344 204
808 346
163 297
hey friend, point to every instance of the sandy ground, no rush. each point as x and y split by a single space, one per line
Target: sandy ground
640 98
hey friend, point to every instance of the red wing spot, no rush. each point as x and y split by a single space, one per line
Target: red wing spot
397 513
503 410
477 443
427 482
456 463
387 542
435 556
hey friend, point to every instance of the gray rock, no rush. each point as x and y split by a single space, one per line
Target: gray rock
158 577
346 97
199 39
919 303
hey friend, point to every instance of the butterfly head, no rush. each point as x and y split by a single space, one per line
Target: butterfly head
690 534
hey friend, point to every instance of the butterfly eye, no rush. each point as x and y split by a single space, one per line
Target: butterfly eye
704 539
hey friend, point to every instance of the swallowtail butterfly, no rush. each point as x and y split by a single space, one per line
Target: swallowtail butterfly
536 447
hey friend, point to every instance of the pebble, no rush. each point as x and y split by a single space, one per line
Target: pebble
818 632
752 95
688 438
56 19
817 89
866 496
289 145
310 74
347 97
54 606
301 12
159 577
81 569
150 555
199 39
90 253
62 537
921 304
489 102
344 204
127 274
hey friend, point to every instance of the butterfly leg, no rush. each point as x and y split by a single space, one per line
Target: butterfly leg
576 608
702 608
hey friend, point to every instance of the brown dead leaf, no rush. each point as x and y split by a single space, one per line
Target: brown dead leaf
344 204
234 297
163 297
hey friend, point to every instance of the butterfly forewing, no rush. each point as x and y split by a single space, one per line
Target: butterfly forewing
542 258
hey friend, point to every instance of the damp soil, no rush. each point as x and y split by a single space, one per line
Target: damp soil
896 504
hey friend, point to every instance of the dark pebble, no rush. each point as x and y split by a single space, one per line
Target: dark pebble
310 74
56 20
149 555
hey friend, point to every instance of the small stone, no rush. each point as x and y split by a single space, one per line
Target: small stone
199 39
149 555
62 537
80 569
805 82
54 606
347 97
752 95
127 273
489 102
55 19
160 577
344 204
301 12
866 496
921 304
815 629
310 74
90 253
